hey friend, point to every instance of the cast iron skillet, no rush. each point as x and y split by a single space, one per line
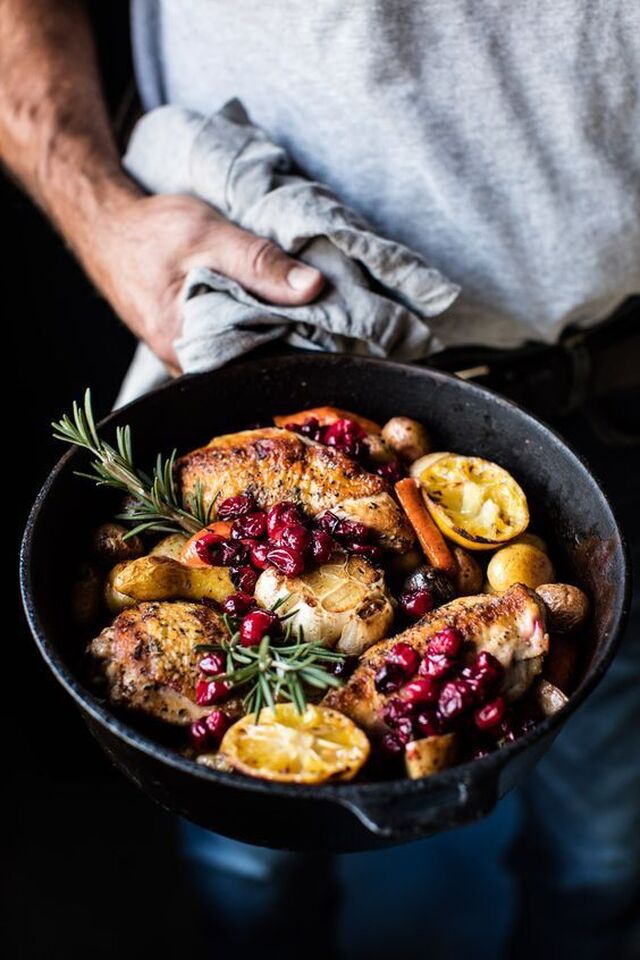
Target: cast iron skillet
569 507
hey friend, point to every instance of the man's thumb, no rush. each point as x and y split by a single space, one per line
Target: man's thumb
262 268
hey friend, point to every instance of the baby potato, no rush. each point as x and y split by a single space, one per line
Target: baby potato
567 606
86 595
378 450
533 540
469 577
161 578
115 600
110 545
170 546
549 698
407 438
430 755
519 563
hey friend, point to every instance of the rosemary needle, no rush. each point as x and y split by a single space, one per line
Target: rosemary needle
157 504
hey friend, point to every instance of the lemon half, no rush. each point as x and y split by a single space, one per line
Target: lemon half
474 502
318 745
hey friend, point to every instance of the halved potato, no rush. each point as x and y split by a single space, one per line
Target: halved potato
430 755
116 601
161 578
170 546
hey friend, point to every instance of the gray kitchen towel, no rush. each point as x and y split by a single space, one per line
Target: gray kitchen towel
378 292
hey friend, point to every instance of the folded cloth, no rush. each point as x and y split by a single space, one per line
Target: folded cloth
378 292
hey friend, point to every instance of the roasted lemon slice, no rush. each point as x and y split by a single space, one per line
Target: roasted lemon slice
475 502
320 744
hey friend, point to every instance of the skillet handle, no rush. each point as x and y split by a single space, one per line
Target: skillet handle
404 815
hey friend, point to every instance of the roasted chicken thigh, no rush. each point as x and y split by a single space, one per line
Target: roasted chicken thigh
274 465
149 661
510 626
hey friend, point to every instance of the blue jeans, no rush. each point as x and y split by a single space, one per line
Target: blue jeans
558 864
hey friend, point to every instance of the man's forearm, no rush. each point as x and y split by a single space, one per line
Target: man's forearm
54 129
138 249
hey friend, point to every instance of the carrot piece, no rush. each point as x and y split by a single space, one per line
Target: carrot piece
189 555
326 415
431 540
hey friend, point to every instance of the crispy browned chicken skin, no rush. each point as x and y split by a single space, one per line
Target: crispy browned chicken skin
149 661
510 626
274 465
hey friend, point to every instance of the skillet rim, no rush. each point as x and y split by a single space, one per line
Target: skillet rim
342 793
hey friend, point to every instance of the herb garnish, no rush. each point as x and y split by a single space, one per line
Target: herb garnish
277 669
157 504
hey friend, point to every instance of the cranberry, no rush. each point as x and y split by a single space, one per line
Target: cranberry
296 536
345 435
210 691
199 735
421 690
391 745
327 521
258 555
389 678
485 662
436 665
256 625
405 656
393 711
212 664
427 723
233 553
369 550
342 668
352 530
234 507
208 548
244 578
321 546
417 603
283 514
254 525
392 472
216 725
404 729
310 428
490 715
237 604
483 674
448 641
289 561
455 697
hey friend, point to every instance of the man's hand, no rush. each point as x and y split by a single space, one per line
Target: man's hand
55 137
139 254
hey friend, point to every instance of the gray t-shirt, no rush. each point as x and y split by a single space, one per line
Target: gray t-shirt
500 139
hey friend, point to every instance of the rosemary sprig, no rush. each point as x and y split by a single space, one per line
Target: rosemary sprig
277 670
157 504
